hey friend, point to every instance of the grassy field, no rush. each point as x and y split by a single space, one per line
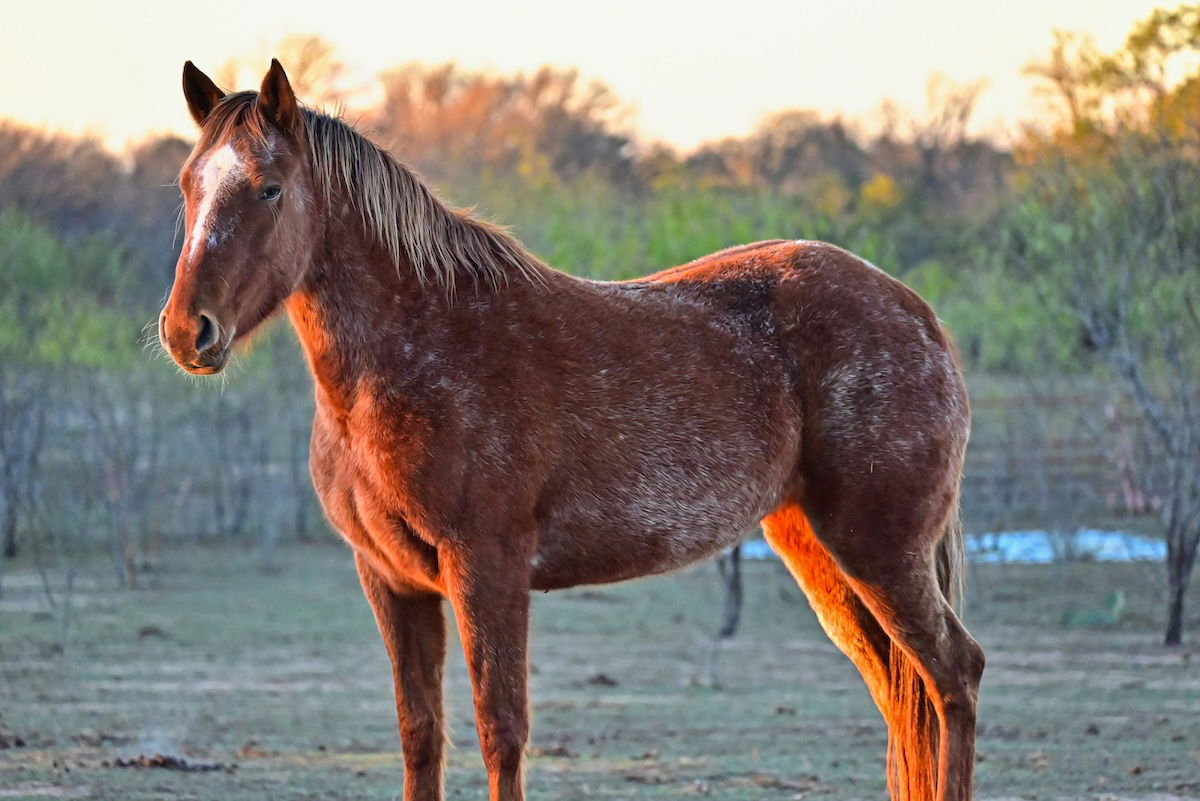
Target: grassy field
277 685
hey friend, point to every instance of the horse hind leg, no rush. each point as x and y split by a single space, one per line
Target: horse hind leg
841 613
850 624
934 663
903 637
938 664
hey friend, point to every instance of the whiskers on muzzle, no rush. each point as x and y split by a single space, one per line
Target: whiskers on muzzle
151 339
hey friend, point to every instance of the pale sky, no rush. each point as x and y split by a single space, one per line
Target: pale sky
691 71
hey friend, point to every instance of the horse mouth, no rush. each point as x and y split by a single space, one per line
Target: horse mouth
208 363
212 358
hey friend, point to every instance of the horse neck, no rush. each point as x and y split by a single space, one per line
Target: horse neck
358 315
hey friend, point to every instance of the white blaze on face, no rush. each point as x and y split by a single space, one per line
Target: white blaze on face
221 173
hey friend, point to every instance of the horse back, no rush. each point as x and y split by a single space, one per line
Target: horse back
873 374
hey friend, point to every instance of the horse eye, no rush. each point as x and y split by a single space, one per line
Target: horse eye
270 193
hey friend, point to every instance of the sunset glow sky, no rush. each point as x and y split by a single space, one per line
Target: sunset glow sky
690 71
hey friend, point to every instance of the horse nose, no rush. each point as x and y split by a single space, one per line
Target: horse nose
195 340
208 333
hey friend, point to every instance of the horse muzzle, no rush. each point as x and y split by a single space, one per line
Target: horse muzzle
197 342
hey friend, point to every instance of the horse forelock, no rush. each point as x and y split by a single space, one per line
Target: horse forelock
395 205
235 112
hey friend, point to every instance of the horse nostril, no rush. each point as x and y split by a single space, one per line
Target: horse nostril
208 334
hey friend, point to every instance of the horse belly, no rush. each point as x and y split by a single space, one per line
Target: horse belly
621 533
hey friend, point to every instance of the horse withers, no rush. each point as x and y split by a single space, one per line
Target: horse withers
487 426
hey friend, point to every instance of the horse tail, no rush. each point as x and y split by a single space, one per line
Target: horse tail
951 560
912 717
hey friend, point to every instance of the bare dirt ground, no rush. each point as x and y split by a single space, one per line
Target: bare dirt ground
220 681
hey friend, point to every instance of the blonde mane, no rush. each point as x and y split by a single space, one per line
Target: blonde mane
397 207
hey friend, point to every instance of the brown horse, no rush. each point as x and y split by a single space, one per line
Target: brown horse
487 426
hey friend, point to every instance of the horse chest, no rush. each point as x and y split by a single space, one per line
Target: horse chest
364 516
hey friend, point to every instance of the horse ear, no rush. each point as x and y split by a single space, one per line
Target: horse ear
277 100
201 93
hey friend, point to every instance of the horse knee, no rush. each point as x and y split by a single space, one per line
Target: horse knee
976 659
969 658
503 742
421 743
960 691
971 661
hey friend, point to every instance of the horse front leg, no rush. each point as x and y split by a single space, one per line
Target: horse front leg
414 631
489 589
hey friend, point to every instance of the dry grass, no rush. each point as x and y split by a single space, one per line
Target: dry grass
278 685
